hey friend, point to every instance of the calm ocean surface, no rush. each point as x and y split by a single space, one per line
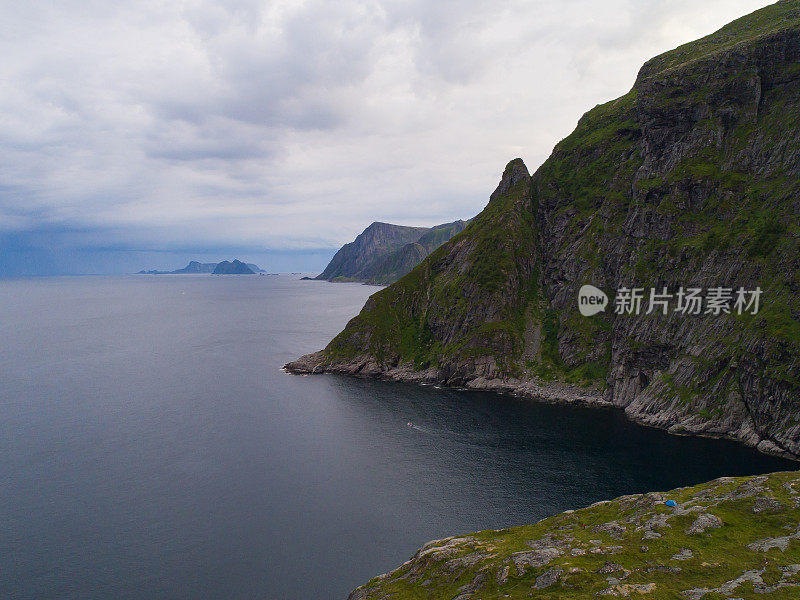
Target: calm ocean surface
150 446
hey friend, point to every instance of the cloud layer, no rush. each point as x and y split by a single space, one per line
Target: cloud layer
292 125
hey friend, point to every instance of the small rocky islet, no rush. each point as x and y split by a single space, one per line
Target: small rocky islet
235 267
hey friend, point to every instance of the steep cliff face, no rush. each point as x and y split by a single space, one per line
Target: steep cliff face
688 181
383 252
732 537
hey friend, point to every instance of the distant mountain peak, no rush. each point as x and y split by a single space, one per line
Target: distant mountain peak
384 252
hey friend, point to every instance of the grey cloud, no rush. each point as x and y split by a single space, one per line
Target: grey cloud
282 124
218 139
284 75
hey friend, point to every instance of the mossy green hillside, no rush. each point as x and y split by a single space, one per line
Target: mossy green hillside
769 21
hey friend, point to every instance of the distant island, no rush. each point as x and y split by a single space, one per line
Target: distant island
383 252
236 267
195 267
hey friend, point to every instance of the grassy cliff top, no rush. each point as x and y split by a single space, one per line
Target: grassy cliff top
729 538
769 20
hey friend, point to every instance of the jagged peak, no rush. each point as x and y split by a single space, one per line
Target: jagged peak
514 172
516 166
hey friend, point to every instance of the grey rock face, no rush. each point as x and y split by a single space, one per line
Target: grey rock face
534 558
353 260
548 578
703 522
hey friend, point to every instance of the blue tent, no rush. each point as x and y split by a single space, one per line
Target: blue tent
671 503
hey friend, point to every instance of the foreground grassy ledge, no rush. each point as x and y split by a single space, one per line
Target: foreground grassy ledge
729 538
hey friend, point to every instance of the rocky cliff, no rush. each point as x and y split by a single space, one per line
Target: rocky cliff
730 538
689 181
383 252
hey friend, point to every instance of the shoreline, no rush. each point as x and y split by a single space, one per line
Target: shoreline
551 392
548 392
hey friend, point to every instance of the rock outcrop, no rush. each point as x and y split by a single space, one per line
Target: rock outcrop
691 180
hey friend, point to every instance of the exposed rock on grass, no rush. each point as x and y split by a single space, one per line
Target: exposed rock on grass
713 545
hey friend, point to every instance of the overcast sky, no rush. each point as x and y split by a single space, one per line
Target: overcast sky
140 134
